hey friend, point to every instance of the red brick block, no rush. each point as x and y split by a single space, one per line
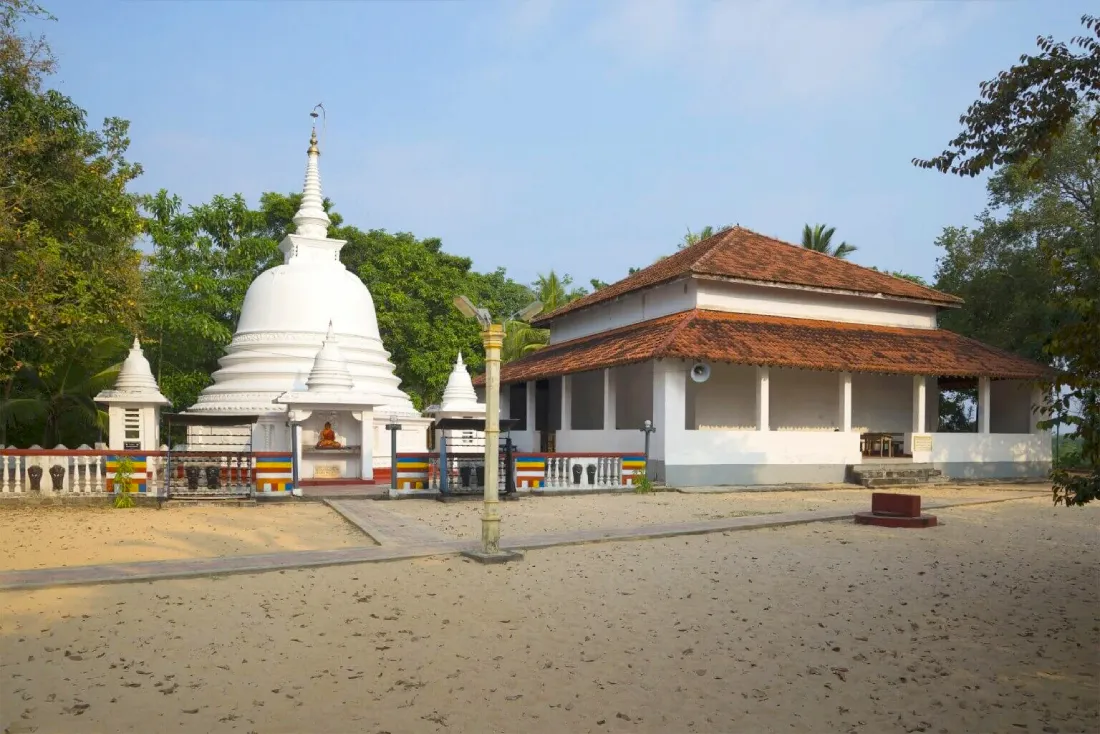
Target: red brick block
896 505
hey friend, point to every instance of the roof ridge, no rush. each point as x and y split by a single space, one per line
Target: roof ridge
866 268
688 318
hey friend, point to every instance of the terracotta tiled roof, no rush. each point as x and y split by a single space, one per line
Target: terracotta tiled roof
742 254
776 341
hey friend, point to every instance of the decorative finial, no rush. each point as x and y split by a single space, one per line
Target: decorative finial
331 335
137 344
460 362
313 149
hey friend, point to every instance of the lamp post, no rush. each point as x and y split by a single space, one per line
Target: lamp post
492 336
393 427
647 428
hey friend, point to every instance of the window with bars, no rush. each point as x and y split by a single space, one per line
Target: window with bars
131 424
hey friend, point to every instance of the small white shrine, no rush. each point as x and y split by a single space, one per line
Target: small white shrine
272 368
134 405
459 401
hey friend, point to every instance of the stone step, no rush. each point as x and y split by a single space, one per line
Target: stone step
902 482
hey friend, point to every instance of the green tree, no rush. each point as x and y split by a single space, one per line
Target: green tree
819 238
1021 114
554 291
694 238
1040 121
58 407
203 261
69 270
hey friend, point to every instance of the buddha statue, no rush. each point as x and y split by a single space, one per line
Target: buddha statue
328 438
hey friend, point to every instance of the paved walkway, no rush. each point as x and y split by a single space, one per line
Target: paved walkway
405 542
385 527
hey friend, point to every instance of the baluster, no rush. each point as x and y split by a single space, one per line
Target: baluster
600 479
606 470
96 479
17 485
4 458
553 471
617 471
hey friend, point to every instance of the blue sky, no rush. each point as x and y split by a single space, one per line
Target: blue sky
579 136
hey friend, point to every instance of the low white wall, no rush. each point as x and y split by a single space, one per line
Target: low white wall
949 448
620 441
803 399
727 399
882 403
807 304
761 447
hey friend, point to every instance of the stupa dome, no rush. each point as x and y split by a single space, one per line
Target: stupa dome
330 372
135 382
459 395
287 313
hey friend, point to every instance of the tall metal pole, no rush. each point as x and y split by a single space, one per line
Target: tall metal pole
493 337
393 427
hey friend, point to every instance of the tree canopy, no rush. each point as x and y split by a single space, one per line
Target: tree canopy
819 238
1031 269
1021 113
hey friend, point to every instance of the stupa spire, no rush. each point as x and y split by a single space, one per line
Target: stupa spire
311 219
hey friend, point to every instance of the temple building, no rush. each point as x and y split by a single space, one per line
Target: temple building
308 362
761 362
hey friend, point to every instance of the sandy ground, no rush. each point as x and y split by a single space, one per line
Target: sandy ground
986 624
44 537
533 514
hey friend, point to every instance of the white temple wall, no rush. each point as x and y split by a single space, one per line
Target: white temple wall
587 401
881 403
1010 407
629 309
804 399
714 295
634 395
726 401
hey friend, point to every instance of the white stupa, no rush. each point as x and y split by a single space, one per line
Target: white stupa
460 401
134 404
286 315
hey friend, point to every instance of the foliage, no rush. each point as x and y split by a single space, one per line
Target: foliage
1040 120
203 261
58 406
694 238
819 238
555 291
957 411
904 276
642 483
1021 114
124 474
69 271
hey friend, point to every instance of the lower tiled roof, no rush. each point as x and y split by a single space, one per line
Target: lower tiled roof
776 341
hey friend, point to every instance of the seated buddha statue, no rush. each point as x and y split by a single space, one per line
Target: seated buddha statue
328 438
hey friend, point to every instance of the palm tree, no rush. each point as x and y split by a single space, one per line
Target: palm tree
520 339
554 291
692 238
61 404
819 239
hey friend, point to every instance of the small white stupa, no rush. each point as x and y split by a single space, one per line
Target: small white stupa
460 401
134 405
311 302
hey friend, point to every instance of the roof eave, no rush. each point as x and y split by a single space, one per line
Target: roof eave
831 291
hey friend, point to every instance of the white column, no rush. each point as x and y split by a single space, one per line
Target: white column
844 402
609 406
531 407
983 405
366 445
763 419
920 405
567 402
669 406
